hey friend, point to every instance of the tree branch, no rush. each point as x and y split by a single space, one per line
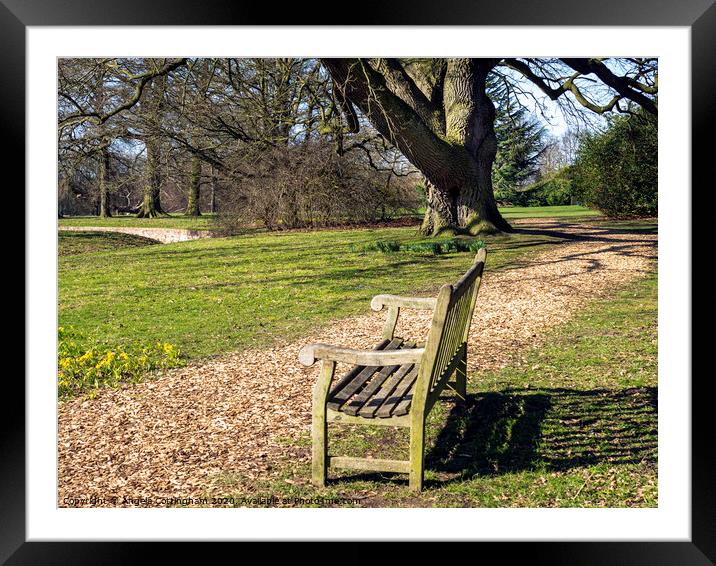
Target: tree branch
99 119
619 84
583 67
403 86
395 119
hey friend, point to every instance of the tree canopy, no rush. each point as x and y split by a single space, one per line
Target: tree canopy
439 114
131 128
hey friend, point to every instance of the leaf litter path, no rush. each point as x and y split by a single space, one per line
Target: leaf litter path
175 436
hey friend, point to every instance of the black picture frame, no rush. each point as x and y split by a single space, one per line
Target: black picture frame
699 15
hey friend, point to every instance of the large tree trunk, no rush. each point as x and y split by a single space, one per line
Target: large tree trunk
449 137
470 209
477 211
466 202
103 175
192 204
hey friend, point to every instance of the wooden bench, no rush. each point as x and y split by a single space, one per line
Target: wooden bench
398 382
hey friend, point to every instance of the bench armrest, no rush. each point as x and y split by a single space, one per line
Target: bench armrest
380 301
312 352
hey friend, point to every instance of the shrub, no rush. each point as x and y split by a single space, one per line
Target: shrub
554 189
309 186
432 247
617 171
388 247
85 365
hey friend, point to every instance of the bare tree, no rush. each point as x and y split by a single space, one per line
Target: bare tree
96 98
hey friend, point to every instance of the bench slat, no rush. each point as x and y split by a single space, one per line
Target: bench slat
403 391
339 398
370 408
355 370
353 406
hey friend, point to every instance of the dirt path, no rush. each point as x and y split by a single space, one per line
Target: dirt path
174 436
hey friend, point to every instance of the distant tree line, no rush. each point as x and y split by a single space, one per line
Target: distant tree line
257 140
306 142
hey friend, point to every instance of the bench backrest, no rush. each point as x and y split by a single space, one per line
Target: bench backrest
447 338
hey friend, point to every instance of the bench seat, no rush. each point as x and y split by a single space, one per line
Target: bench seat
376 391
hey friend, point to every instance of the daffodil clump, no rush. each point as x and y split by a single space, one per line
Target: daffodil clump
85 365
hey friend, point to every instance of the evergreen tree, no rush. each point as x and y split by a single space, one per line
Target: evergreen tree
521 140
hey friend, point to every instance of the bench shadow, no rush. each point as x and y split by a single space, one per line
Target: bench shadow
547 430
489 433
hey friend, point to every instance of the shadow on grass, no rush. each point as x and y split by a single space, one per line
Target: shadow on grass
545 430
549 430
490 433
599 231
77 243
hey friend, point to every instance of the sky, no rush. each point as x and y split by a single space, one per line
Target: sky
554 119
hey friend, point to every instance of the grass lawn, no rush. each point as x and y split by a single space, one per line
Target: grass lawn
205 222
212 296
515 212
174 220
572 424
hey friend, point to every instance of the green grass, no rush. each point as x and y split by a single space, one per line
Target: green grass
206 222
212 296
547 211
572 423
432 246
75 243
176 220
643 225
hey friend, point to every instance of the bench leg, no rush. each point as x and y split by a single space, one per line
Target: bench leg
417 455
320 448
461 376
319 429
